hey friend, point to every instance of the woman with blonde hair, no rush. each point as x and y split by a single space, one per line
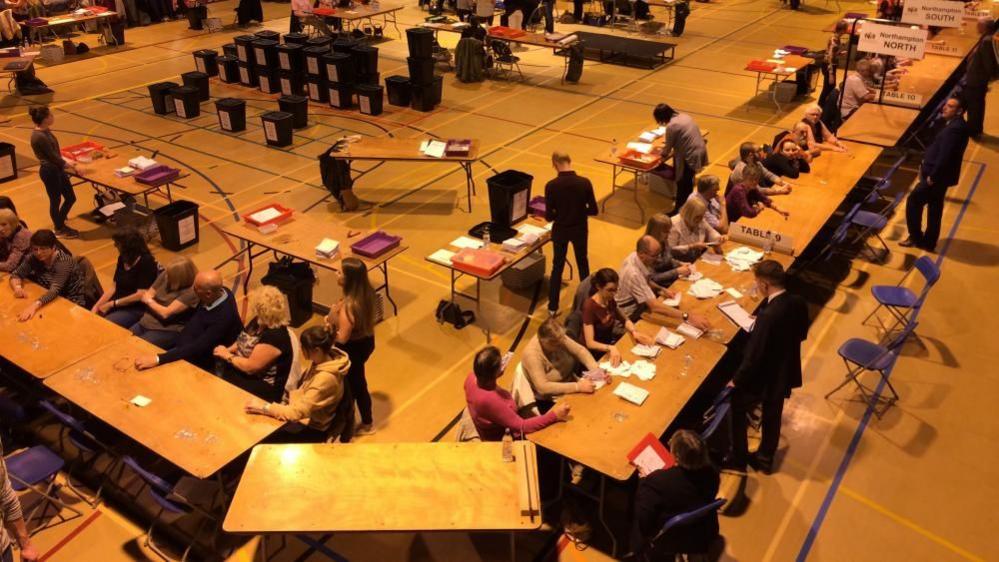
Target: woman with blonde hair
691 235
353 321
169 303
262 357
667 268
15 241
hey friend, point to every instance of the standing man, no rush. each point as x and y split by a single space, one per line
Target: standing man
941 169
13 521
569 201
983 67
683 141
770 367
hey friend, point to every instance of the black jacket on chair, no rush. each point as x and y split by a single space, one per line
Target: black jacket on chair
666 493
942 161
771 362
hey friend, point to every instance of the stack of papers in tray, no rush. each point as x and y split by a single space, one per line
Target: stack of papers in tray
690 330
649 136
514 244
668 338
142 163
743 258
650 351
326 249
640 147
734 312
705 289
433 148
125 172
537 231
268 214
631 393
442 257
467 242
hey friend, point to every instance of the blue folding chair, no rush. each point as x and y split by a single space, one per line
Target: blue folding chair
681 520
164 495
86 443
717 413
871 224
860 356
838 239
902 302
35 469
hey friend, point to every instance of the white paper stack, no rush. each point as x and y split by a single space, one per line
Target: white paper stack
668 338
743 258
705 289
675 301
643 370
650 351
690 330
513 244
694 276
141 163
622 370
327 248
649 136
631 393
467 242
734 312
433 148
125 172
109 209
265 215
711 258
528 228
442 257
640 147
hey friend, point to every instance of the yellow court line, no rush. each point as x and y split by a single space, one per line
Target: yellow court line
905 522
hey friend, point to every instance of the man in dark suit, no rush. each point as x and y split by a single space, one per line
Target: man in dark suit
770 367
983 67
569 203
941 169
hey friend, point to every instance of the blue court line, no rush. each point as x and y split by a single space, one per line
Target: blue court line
820 517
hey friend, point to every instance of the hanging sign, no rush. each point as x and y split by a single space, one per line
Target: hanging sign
938 13
892 40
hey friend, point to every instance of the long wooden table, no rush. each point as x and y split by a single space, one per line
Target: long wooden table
36 33
386 149
195 420
298 237
100 174
878 125
386 487
59 335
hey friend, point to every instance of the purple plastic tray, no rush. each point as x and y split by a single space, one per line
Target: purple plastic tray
375 244
794 49
537 206
854 16
157 175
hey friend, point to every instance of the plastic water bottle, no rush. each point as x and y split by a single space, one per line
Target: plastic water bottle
768 246
485 236
507 446
613 147
688 360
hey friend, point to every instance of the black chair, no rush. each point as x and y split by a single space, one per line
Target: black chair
503 58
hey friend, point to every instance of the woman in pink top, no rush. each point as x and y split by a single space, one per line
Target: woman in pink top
492 409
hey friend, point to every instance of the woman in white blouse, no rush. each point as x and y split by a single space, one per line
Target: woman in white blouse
691 235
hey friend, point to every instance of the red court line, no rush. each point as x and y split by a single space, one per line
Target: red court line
72 535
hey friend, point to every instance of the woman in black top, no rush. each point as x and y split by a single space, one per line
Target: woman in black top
261 358
136 271
788 160
690 484
53 171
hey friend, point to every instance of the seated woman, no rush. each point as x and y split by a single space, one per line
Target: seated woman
750 157
666 269
312 402
692 483
15 241
603 323
788 160
745 199
135 272
52 268
492 409
261 358
818 137
169 302
691 235
552 361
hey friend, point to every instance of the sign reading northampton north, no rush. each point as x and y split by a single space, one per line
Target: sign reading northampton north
938 13
892 40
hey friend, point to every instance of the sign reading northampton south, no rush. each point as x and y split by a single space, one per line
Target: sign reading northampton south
938 13
892 40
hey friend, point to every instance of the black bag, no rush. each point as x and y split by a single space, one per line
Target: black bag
451 313
335 173
575 70
295 280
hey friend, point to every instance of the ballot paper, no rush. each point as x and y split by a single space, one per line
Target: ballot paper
125 172
643 350
742 258
648 136
694 276
467 242
675 301
327 248
141 163
649 455
442 257
433 148
640 147
514 244
669 339
110 209
623 368
735 294
643 370
705 289
660 131
690 330
631 393
141 401
527 228
712 258
597 377
734 312
268 214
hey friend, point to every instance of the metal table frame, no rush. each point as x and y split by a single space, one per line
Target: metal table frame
466 166
159 188
618 170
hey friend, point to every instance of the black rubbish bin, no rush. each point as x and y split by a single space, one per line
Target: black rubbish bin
265 53
318 90
295 38
296 285
323 42
229 50
244 48
228 69
425 97
186 101
247 74
8 162
421 70
420 41
313 61
269 35
290 57
368 79
232 114
292 84
437 90
197 80
339 67
206 60
159 93
277 127
369 99
344 45
269 80
341 95
397 88
298 107
178 224
196 17
365 59
503 188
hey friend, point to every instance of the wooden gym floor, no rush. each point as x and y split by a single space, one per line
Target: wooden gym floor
918 483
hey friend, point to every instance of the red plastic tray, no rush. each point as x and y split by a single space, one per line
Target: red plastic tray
639 160
285 214
760 66
503 31
479 262
324 11
77 150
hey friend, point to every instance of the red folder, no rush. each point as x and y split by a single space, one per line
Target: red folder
650 441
